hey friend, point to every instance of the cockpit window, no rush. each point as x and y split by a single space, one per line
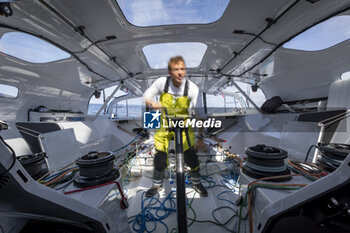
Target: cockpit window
323 35
7 91
345 76
228 99
30 48
158 55
164 12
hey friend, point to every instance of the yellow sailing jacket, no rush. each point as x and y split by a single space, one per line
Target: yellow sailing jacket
173 107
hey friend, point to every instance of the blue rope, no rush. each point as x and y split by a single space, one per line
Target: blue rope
230 184
153 210
126 180
53 176
209 180
209 142
223 199
125 145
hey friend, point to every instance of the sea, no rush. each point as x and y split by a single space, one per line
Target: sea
121 112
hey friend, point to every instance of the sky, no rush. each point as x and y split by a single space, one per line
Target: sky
158 55
30 48
166 12
322 36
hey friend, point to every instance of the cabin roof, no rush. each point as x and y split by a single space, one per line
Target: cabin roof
244 44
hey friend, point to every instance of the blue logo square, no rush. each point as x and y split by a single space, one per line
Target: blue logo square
151 120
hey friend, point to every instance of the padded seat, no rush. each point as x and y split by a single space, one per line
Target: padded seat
339 95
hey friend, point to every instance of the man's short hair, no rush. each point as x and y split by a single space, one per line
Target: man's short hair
175 60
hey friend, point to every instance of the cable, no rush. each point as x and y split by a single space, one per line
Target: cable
226 183
151 213
255 184
60 176
123 202
66 179
240 218
108 38
189 207
43 176
308 151
13 156
242 32
209 180
223 199
65 185
80 30
49 178
227 221
125 145
129 162
309 170
234 157
328 163
216 221
155 211
269 186
269 23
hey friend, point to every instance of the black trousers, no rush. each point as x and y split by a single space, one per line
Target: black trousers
161 163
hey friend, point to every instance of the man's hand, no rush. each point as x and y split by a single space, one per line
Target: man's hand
201 146
154 104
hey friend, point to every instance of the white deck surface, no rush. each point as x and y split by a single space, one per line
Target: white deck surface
203 206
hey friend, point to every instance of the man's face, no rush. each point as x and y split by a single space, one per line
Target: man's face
177 72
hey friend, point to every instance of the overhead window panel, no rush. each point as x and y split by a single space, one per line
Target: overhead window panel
165 12
30 48
323 35
158 55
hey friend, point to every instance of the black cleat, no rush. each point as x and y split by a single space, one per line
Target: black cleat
199 188
153 190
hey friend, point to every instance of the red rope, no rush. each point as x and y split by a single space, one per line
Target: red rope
124 199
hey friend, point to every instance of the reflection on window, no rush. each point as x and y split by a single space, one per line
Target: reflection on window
126 108
135 107
30 48
121 109
96 103
7 91
323 35
224 103
158 55
230 100
164 12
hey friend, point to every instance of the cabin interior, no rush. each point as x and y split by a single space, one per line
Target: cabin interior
58 57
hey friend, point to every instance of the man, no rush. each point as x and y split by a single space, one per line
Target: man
177 96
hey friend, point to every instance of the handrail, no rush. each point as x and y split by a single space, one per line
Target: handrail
326 122
107 100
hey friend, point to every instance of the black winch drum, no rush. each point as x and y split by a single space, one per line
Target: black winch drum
335 150
95 164
333 154
96 168
34 164
265 161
